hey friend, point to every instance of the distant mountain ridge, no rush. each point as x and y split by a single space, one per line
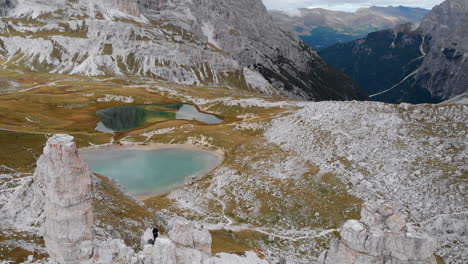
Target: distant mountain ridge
425 64
321 28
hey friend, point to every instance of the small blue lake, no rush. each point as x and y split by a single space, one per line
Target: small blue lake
144 172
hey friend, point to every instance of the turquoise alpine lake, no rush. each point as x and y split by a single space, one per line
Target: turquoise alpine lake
145 171
123 118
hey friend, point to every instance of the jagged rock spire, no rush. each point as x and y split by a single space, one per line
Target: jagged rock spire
66 181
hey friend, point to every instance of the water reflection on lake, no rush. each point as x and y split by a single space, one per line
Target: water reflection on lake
123 118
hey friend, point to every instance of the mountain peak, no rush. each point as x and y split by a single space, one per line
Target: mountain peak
426 65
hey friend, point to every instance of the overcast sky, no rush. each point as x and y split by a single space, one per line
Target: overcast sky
346 5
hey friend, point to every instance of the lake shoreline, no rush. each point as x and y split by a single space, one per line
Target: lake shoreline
156 146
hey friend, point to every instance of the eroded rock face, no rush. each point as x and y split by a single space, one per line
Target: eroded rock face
66 182
6 5
199 42
246 30
110 37
127 6
444 69
184 233
381 236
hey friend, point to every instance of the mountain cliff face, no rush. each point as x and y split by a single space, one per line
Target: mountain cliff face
232 43
245 30
100 38
444 70
321 28
423 65
381 61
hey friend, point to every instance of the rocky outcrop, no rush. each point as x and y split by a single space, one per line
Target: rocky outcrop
186 243
184 233
381 236
66 182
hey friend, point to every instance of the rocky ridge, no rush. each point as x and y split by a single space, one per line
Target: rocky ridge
245 30
435 73
322 28
96 39
232 43
381 236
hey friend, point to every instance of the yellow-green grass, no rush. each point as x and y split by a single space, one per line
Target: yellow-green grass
64 108
12 252
20 150
124 214
226 241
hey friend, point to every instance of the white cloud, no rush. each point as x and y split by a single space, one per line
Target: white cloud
346 5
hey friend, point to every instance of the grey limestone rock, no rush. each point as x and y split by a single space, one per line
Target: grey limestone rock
181 232
6 5
187 244
202 240
445 67
66 181
382 236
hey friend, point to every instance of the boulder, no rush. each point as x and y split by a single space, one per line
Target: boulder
180 231
164 252
190 256
147 236
396 223
354 235
113 251
202 240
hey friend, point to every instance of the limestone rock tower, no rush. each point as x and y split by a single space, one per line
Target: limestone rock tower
66 182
